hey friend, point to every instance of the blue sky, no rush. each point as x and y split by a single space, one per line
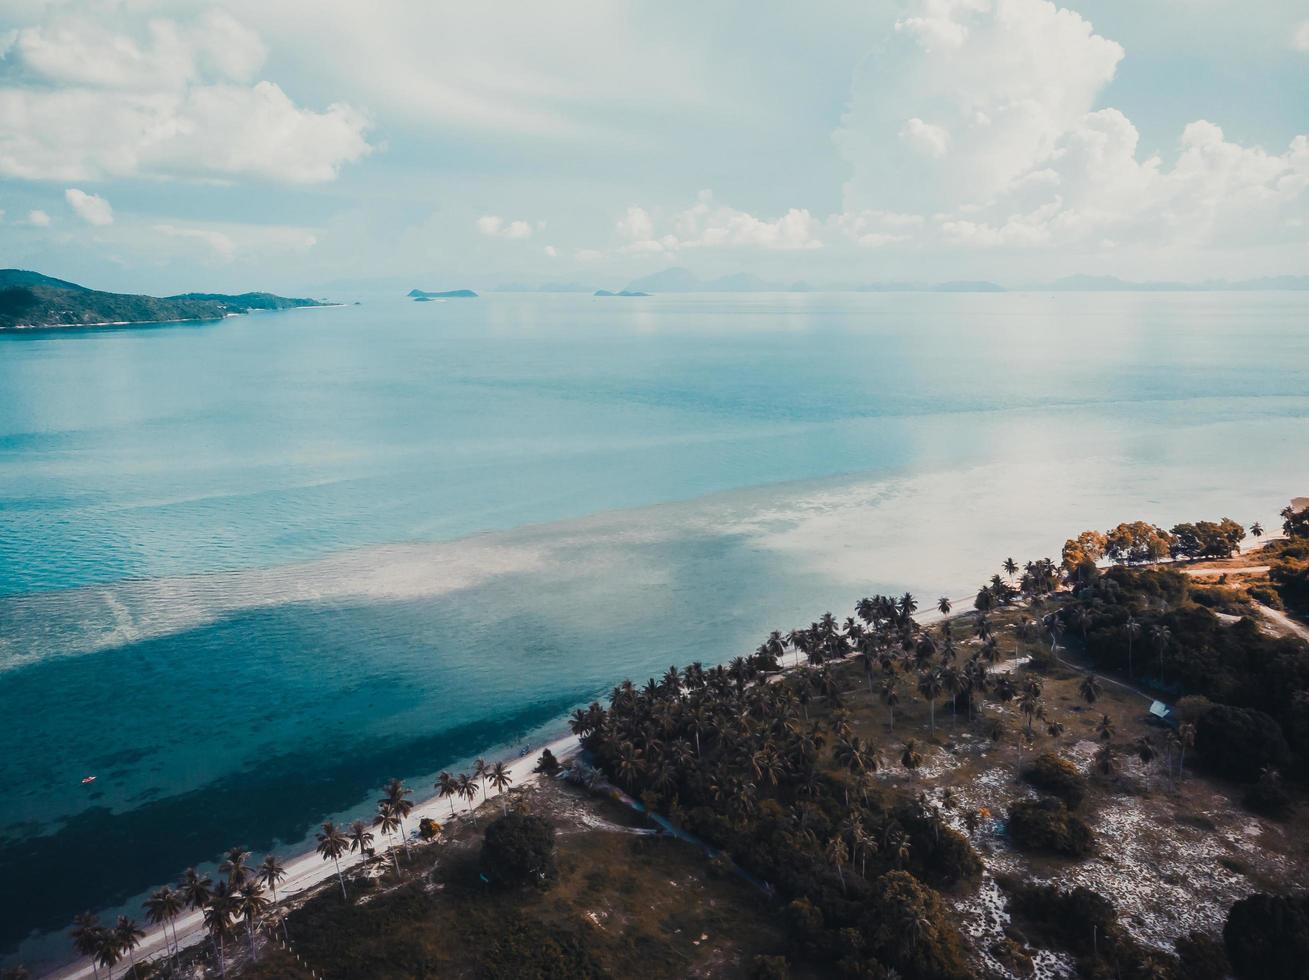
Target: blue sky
297 145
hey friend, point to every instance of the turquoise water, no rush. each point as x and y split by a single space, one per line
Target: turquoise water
250 569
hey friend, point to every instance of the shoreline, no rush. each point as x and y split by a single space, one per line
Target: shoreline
31 327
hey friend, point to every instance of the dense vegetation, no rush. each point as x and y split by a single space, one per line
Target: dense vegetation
28 299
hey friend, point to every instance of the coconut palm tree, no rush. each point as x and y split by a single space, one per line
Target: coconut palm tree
891 697
397 794
270 873
128 935
1031 707
196 888
1010 568
837 855
480 770
1159 637
929 686
1082 620
1256 530
162 908
1090 689
234 866
87 933
1104 729
250 903
360 837
1104 760
389 823
943 605
108 951
218 921
447 787
910 758
1131 629
1186 740
332 844
499 777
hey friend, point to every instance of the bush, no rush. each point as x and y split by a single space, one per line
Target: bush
1268 936
1268 798
1047 825
1267 596
1058 777
519 849
769 968
1203 957
1240 742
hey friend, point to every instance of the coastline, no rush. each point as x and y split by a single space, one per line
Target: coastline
32 327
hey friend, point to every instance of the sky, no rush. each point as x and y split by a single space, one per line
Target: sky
157 146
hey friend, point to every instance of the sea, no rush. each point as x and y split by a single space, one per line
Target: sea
251 569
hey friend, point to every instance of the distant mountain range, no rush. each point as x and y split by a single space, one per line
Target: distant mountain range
679 280
623 292
1112 284
422 294
31 300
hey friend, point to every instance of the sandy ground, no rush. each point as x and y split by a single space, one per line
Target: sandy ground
307 871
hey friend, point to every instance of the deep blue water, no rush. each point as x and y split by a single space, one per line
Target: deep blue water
251 569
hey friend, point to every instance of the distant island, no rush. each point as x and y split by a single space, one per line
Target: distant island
621 292
679 280
422 295
1112 284
30 300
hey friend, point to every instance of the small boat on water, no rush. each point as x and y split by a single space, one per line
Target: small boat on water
88 779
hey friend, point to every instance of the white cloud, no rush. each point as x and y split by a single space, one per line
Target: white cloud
219 243
1300 37
982 119
38 218
84 100
551 251
494 226
91 208
707 224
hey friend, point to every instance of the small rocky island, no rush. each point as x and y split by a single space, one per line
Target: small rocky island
621 292
30 300
423 296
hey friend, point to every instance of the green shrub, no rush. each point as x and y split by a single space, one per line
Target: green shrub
1240 742
1269 597
1046 824
1057 776
1267 936
519 849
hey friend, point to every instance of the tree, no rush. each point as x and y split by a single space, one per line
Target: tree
1090 689
1256 530
1159 638
108 950
943 605
332 844
234 866
910 758
1268 936
87 936
448 787
500 779
929 686
162 908
196 888
1131 629
389 823
1010 568
1295 523
837 855
1136 542
218 916
270 874
1240 742
1089 546
128 936
1104 729
250 904
518 849
547 765
397 794
360 837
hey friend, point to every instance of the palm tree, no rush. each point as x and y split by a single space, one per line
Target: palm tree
270 874
1257 530
943 604
448 787
218 921
360 837
837 855
390 823
910 757
250 904
1082 620
196 888
952 683
479 774
1010 568
500 779
467 789
1090 688
1104 729
87 932
234 867
1186 739
397 794
1031 707
891 697
128 935
1159 637
1104 760
908 606
162 907
929 686
1131 629
108 952
332 844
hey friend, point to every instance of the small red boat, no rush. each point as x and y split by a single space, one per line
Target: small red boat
88 779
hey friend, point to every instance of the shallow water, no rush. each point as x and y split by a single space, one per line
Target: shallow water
248 570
